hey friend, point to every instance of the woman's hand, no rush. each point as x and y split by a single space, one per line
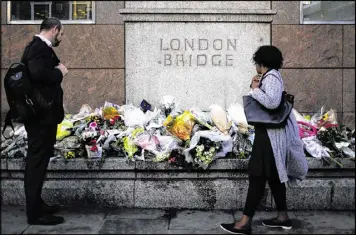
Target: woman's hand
255 82
256 78
255 85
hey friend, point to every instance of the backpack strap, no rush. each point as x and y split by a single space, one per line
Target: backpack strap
27 48
8 122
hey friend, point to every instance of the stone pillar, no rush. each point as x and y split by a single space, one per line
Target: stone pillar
198 51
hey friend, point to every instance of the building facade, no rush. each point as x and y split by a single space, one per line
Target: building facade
317 39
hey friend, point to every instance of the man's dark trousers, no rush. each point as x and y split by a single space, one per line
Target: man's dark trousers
41 132
41 140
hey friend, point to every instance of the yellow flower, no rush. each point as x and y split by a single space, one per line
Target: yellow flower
325 117
69 155
137 131
129 147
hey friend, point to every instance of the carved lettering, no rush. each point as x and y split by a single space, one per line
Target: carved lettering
161 46
180 58
201 44
167 57
199 60
216 44
233 45
182 52
191 45
175 44
229 59
216 62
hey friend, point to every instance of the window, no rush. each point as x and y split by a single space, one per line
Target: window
33 12
327 12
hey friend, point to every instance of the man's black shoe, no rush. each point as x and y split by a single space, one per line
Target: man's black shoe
230 228
47 209
47 220
275 223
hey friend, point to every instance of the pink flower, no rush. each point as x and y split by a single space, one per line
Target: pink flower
93 125
172 159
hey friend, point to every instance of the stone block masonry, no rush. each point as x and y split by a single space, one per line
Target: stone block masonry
117 183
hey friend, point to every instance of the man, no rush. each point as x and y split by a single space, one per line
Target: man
46 74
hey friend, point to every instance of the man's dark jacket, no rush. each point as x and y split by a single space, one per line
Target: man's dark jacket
41 61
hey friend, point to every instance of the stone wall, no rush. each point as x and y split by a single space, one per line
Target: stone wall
93 54
117 183
319 59
319 66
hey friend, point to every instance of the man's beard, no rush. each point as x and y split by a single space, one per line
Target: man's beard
56 41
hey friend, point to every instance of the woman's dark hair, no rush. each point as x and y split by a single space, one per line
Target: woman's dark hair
268 56
50 23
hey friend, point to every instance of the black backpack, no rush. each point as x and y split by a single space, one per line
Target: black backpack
19 93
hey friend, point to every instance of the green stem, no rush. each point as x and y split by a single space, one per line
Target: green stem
333 159
204 124
186 144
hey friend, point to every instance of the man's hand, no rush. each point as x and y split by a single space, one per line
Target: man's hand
63 69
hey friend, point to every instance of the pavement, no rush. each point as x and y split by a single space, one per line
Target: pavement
154 221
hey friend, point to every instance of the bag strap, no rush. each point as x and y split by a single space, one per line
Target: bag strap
8 122
265 75
285 96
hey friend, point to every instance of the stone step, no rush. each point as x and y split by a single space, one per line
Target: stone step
117 183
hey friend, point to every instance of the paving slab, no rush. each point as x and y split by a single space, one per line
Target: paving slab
74 222
214 231
338 222
307 222
147 221
258 228
63 229
135 226
261 215
199 220
13 220
136 214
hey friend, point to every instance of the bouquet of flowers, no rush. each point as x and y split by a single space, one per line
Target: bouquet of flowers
115 123
177 158
338 140
242 146
205 151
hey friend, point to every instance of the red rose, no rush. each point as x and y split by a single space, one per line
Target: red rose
94 148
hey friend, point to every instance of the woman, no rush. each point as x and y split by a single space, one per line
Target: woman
277 154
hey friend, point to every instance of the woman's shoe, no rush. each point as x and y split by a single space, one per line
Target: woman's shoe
275 223
230 228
